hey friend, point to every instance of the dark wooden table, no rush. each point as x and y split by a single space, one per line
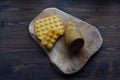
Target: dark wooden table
21 58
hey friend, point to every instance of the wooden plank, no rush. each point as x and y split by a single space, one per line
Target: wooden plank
59 55
18 49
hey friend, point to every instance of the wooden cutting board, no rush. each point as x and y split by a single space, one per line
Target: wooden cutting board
59 55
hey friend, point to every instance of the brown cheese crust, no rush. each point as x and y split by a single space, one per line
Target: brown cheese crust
73 38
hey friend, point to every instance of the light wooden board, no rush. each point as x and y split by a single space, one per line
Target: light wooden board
59 55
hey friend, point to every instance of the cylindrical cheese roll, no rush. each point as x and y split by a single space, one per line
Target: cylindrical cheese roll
73 38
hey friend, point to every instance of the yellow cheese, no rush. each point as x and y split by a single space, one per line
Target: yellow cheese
48 30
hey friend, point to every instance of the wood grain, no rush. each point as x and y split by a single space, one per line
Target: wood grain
22 59
59 55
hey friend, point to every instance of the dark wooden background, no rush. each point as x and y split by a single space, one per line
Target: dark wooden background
22 59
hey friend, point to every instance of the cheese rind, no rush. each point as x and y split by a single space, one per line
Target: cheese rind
73 38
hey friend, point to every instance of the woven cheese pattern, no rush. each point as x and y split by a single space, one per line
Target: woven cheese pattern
48 30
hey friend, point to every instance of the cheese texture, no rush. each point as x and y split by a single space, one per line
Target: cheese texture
48 30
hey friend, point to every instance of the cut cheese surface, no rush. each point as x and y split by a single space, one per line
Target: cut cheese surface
48 30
